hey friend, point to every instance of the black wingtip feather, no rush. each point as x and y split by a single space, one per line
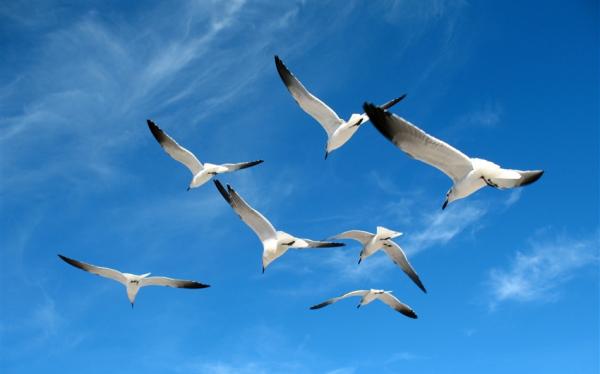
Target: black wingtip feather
393 102
158 134
222 190
319 306
532 178
410 314
284 73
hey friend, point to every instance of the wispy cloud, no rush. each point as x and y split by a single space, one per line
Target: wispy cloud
442 226
538 273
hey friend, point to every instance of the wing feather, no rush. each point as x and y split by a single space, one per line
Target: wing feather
362 236
418 144
170 282
101 271
335 299
256 221
399 257
241 165
307 101
390 300
174 150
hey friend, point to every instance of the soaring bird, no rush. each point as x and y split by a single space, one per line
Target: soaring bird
467 174
372 243
275 243
201 172
338 130
132 282
368 296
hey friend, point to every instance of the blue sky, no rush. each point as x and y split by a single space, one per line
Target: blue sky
512 275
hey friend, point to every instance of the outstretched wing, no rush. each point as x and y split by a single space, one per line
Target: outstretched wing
170 282
318 244
516 178
103 272
390 300
399 257
335 299
307 101
241 165
362 236
418 144
175 150
256 221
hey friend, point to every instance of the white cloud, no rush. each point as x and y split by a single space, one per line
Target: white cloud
538 273
442 226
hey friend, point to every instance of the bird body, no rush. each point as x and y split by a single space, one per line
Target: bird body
468 174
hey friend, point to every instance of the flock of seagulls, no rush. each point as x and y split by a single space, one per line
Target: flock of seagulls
468 175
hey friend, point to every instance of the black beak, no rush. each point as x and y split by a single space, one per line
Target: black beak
445 204
263 270
358 306
131 305
188 188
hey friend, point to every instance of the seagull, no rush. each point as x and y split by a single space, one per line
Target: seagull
368 296
383 240
132 282
275 243
468 174
338 130
201 172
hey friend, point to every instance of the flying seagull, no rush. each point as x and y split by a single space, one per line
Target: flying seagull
275 243
372 243
468 174
338 130
201 172
368 296
133 282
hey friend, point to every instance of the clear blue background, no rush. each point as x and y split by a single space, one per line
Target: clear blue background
512 275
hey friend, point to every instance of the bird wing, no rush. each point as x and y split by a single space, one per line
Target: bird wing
257 222
516 178
103 272
362 236
307 101
335 299
170 282
318 244
390 300
418 144
399 257
175 150
241 165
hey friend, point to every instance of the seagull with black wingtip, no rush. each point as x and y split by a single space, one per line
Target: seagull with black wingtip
468 174
382 240
202 172
368 296
275 243
133 282
338 130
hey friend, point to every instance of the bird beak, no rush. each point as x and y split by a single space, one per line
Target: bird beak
358 306
131 305
445 204
263 269
188 188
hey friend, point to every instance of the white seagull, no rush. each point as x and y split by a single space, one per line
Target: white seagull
201 172
133 282
368 296
338 130
275 243
468 174
372 243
